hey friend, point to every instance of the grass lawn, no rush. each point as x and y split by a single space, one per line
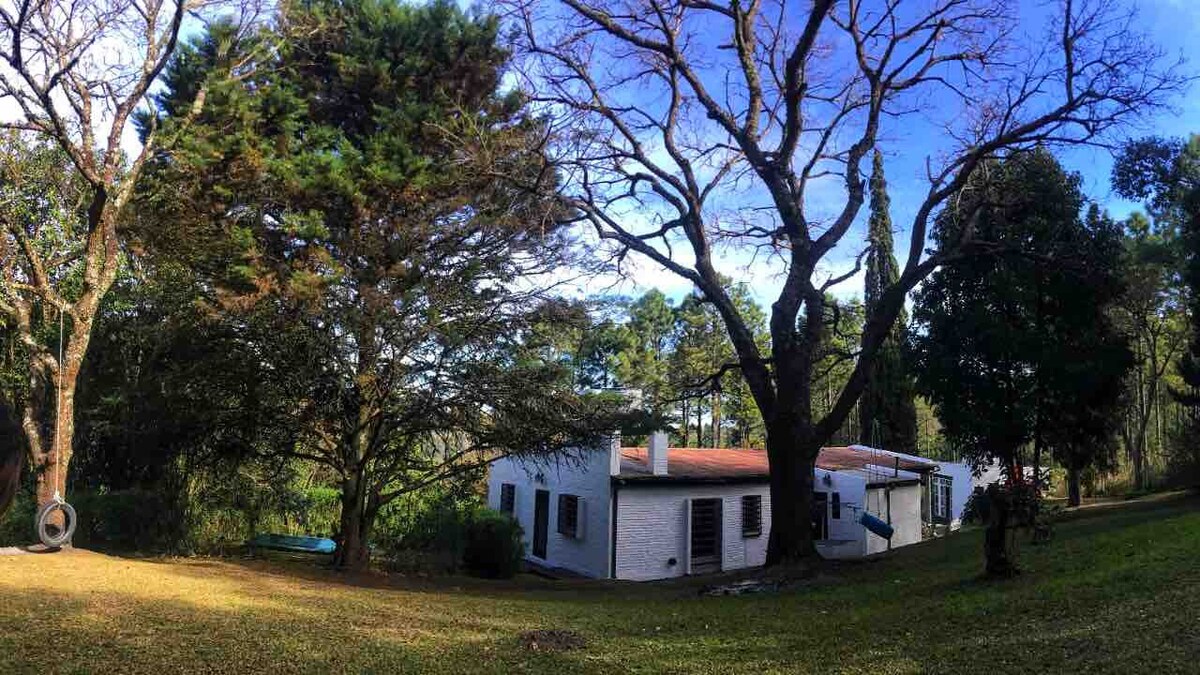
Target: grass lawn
1118 591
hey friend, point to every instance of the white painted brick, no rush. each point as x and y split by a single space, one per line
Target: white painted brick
651 518
586 476
651 528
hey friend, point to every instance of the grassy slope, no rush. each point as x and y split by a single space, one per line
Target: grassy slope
1117 592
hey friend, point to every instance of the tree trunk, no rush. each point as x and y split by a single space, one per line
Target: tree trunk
1139 466
716 419
1073 486
352 552
791 467
52 465
997 561
687 421
52 457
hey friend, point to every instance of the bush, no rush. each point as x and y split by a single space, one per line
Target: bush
493 548
425 531
129 520
16 526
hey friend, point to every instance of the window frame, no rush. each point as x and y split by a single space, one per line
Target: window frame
941 489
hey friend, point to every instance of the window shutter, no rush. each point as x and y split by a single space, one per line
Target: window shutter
570 513
687 536
508 498
751 515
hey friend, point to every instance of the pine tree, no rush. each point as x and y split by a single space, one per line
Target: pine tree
887 410
348 181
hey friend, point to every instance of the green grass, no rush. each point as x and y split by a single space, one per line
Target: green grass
1118 591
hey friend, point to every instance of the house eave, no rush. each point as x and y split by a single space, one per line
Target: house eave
690 480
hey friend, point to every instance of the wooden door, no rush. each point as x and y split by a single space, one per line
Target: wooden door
820 516
541 522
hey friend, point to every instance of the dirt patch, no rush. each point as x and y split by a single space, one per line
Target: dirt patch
745 587
552 640
33 548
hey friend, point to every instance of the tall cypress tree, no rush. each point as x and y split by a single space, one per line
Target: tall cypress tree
887 412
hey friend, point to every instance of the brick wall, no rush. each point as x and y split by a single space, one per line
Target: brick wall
585 476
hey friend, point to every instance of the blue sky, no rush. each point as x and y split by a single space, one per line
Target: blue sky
1172 24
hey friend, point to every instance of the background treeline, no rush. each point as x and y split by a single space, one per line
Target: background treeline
329 313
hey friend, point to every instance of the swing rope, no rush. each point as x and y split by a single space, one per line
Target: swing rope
58 416
875 473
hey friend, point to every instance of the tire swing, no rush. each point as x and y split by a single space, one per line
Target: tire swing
52 534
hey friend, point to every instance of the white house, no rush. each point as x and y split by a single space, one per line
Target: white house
658 512
963 482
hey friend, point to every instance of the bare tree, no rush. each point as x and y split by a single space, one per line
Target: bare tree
668 109
75 72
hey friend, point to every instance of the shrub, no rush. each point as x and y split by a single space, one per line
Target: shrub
16 526
493 545
1002 508
129 520
425 531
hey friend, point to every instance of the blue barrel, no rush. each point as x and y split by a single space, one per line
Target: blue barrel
876 525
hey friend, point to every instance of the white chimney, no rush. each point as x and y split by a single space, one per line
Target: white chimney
657 454
633 398
614 453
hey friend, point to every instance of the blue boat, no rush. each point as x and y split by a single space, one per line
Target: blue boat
293 544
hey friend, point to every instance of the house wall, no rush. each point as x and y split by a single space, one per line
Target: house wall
905 517
588 477
845 533
652 525
651 528
960 490
651 521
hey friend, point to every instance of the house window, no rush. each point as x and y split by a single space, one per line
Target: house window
508 497
836 506
568 516
752 515
940 491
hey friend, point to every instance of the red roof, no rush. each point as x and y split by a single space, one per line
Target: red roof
733 463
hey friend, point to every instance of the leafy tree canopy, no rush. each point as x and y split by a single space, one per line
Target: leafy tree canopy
353 185
1011 345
